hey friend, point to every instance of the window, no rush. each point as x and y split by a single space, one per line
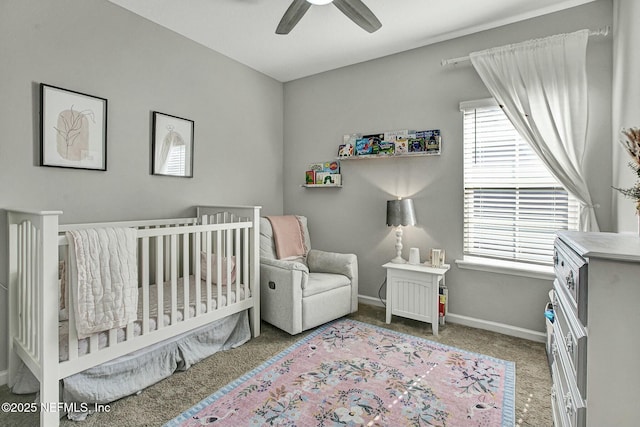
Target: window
176 162
512 205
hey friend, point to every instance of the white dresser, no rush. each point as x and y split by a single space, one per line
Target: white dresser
596 333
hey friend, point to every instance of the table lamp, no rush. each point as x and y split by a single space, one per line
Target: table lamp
400 212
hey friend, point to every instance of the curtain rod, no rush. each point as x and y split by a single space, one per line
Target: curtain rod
599 32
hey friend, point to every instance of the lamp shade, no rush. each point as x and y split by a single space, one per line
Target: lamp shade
401 212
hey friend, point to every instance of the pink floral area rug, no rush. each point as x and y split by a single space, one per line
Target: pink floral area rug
349 373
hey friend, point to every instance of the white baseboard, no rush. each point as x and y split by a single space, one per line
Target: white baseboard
363 299
3 377
502 328
488 325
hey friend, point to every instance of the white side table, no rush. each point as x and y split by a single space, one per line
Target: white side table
412 291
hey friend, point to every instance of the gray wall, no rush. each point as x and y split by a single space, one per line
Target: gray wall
625 107
412 91
98 48
95 47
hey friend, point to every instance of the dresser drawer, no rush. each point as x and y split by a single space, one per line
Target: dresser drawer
568 407
571 335
571 273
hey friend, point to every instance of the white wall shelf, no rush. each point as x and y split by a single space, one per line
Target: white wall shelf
321 186
386 156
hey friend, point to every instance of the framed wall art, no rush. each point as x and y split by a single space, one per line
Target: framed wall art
172 146
73 129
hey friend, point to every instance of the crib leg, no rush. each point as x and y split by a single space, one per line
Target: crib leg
254 321
49 398
14 363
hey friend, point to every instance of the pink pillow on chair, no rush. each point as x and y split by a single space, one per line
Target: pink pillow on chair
214 268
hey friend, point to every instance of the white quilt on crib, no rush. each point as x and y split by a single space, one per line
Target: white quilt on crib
105 290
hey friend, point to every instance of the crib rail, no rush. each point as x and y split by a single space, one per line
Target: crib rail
174 259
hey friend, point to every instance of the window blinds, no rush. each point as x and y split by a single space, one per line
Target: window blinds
512 205
176 162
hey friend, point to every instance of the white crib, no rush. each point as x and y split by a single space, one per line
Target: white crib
168 259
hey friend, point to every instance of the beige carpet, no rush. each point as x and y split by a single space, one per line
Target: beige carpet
162 402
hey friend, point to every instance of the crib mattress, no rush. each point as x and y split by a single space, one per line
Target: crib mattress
103 337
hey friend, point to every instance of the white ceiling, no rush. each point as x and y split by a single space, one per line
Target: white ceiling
325 39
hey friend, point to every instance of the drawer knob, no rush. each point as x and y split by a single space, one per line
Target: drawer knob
569 342
555 258
568 404
570 282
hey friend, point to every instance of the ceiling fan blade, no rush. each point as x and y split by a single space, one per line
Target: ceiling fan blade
359 13
291 17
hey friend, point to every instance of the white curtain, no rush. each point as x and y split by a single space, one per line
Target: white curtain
542 87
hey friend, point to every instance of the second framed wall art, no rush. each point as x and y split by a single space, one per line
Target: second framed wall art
172 145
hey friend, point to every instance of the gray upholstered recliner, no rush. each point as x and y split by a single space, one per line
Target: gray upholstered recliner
298 295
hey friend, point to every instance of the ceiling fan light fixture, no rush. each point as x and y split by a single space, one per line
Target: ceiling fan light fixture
355 10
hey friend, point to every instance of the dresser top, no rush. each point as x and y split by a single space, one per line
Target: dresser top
616 246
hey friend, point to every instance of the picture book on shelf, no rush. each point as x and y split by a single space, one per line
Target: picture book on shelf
318 167
326 178
310 177
374 138
399 138
432 140
383 148
363 147
345 150
331 167
416 144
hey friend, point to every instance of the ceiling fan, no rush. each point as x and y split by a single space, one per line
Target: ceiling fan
354 9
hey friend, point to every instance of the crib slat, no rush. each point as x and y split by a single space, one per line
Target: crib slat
37 328
130 331
239 261
24 282
37 293
113 337
174 278
29 327
159 282
93 343
21 281
245 265
71 326
207 252
197 269
167 251
145 285
228 252
35 337
185 276
219 263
